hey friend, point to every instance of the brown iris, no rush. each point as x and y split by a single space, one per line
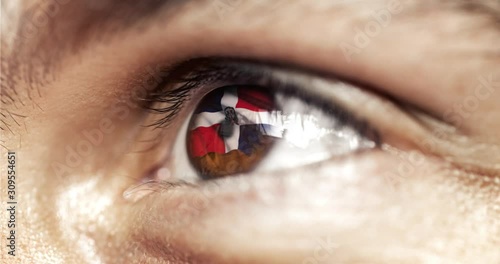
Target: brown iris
231 131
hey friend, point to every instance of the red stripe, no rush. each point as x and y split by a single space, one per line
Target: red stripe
203 140
255 99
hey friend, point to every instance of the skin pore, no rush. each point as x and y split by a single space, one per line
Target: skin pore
425 74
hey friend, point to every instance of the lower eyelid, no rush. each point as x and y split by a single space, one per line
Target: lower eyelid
188 207
375 167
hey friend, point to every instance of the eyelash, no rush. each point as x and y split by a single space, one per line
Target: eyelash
189 78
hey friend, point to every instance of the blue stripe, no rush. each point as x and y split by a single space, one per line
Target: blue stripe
250 136
211 102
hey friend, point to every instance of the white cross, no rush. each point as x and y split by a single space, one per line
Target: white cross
245 116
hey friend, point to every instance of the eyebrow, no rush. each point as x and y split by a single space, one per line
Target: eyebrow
48 30
73 24
80 21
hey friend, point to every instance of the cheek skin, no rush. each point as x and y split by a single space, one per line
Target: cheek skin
352 205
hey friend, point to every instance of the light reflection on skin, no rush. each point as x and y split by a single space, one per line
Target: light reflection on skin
69 204
443 208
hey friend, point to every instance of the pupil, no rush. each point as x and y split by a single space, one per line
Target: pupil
230 131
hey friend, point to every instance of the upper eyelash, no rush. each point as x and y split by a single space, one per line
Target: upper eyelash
193 74
189 75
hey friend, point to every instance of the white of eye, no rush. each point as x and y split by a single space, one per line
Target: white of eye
311 136
181 166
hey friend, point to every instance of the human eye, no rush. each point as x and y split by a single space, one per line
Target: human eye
256 118
237 118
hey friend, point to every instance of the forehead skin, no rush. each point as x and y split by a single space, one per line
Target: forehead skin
441 216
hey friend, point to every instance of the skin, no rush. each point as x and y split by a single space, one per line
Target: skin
430 194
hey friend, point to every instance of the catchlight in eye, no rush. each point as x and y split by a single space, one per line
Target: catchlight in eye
231 130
